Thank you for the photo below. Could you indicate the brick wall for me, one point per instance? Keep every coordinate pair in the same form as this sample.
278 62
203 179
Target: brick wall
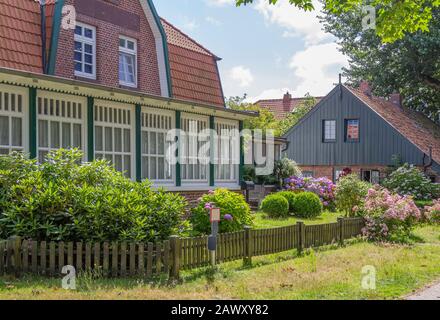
328 171
107 48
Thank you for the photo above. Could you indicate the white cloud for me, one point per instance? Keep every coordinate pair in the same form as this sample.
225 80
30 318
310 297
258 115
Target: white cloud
190 25
297 22
241 75
220 3
213 21
269 94
316 68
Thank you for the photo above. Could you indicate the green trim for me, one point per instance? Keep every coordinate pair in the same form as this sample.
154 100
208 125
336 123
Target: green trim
178 166
241 167
165 46
33 123
90 129
138 153
56 26
212 152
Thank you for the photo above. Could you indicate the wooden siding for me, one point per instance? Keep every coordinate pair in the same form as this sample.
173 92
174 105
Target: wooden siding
379 141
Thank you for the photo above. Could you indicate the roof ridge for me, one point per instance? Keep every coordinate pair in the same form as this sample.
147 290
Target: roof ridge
190 39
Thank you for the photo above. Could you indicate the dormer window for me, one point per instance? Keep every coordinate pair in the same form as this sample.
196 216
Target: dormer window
127 62
85 51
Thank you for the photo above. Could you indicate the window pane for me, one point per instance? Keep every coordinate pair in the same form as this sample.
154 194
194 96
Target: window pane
17 140
4 131
98 138
161 168
88 69
145 142
78 67
145 171
161 143
78 46
88 48
66 143
88 58
78 56
352 129
54 134
152 142
118 140
88 33
43 133
77 136
127 140
78 30
130 45
153 162
127 165
122 43
108 139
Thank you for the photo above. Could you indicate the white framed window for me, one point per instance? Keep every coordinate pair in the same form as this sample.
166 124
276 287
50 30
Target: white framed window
85 51
227 151
127 62
329 128
155 126
61 122
13 119
114 135
194 165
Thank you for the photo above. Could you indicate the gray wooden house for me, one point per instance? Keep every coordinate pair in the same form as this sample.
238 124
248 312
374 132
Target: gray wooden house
351 128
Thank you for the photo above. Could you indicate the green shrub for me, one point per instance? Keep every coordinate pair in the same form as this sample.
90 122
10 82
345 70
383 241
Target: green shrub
275 206
410 181
307 205
235 212
290 197
350 193
286 168
421 204
64 200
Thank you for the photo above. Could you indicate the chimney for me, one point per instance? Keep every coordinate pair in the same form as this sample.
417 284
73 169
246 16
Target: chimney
286 101
396 99
365 88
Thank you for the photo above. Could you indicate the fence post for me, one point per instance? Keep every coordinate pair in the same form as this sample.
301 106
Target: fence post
249 246
175 244
301 237
341 231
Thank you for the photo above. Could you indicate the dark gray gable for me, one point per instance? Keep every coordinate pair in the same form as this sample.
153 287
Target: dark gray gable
379 141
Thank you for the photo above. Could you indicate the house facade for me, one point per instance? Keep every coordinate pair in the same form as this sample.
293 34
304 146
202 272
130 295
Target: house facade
114 85
350 128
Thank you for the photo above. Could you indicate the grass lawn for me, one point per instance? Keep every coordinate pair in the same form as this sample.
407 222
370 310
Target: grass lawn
262 221
331 273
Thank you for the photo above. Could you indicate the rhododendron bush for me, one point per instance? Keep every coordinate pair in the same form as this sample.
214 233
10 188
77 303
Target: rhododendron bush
324 188
432 213
389 217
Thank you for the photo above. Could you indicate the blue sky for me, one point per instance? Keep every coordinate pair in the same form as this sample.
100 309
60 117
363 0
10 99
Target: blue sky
266 50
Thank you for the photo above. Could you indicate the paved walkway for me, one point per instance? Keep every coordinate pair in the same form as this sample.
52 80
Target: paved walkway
430 293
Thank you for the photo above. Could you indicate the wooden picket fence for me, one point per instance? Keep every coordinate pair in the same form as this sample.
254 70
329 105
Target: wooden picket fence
19 256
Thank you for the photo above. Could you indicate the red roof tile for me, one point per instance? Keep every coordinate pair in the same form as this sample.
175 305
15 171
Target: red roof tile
194 72
20 26
282 107
417 128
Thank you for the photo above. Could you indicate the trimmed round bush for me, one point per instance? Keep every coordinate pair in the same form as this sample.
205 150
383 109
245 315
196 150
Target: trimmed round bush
235 212
307 205
290 197
275 206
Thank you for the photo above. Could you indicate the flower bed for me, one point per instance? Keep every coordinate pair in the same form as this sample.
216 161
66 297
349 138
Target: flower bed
324 188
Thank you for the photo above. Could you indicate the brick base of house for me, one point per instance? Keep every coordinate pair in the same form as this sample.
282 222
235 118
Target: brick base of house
329 171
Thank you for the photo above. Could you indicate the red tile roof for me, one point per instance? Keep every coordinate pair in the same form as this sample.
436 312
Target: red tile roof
282 107
20 39
416 127
194 72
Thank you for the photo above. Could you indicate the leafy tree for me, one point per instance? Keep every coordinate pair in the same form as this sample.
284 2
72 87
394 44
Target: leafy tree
410 65
266 119
294 117
394 18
